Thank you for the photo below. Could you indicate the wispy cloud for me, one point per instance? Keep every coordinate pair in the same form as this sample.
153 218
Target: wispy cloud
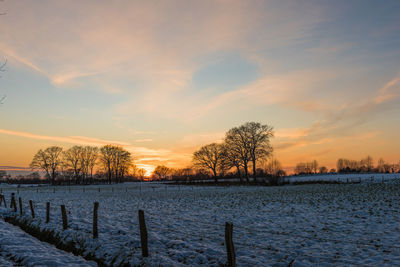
69 139
144 156
143 140
345 121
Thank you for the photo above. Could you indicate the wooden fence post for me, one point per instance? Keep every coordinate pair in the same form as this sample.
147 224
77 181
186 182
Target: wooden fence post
13 203
95 230
32 210
143 234
47 212
64 217
230 250
4 199
20 206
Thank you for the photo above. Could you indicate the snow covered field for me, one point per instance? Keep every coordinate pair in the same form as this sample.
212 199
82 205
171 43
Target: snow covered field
344 178
329 225
19 248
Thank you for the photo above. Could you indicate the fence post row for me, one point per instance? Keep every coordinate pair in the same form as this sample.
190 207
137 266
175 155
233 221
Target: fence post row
32 210
143 234
230 250
95 230
64 217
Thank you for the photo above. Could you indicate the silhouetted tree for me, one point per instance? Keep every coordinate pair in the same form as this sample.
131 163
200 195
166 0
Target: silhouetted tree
210 157
238 145
72 159
249 142
259 138
323 169
273 167
48 160
88 160
141 173
232 159
116 161
106 160
314 166
161 172
122 162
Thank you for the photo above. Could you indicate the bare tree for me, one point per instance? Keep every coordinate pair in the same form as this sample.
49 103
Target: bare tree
369 162
106 160
93 154
273 167
89 155
314 166
238 143
232 159
116 161
48 160
72 159
122 162
323 169
161 172
141 173
210 157
259 139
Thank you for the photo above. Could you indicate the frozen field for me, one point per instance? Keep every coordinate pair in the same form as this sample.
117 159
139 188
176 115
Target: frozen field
17 248
326 225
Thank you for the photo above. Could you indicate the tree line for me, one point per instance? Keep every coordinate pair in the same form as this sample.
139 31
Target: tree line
77 164
343 165
243 147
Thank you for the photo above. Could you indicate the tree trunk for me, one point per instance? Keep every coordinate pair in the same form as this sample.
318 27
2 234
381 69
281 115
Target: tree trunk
53 180
254 170
215 175
239 173
246 172
109 176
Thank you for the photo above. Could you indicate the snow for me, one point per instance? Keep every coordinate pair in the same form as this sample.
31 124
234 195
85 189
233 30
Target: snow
335 224
17 247
344 178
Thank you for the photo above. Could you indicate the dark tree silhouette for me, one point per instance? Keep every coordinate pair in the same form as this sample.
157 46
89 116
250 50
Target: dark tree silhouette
161 172
48 160
116 161
210 157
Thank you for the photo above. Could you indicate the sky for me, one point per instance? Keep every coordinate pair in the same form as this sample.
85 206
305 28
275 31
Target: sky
162 78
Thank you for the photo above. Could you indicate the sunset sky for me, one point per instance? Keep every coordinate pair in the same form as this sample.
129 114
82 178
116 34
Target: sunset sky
162 78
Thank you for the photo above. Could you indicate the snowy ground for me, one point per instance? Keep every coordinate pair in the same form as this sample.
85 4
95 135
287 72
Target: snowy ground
19 248
329 225
344 178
